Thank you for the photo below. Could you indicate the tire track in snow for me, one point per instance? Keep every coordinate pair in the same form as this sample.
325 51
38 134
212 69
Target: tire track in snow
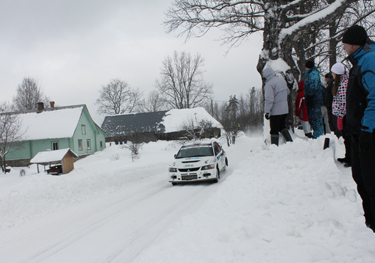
73 235
57 246
151 230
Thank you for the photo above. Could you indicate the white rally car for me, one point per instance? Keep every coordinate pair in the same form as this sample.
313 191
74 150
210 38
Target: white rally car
200 161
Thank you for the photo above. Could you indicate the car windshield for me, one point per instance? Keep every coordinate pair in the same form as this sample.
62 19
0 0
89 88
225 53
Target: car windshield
195 151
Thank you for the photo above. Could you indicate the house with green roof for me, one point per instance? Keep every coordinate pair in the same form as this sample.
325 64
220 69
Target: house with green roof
53 129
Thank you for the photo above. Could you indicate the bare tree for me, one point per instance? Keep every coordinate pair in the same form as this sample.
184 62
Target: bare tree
181 85
197 130
134 145
282 22
326 47
28 95
11 133
153 102
118 98
190 130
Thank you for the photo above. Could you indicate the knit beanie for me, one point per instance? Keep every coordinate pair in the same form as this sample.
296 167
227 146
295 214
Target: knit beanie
355 35
310 64
338 69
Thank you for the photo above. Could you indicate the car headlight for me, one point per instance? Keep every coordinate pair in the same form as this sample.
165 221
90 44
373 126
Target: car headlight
172 170
208 167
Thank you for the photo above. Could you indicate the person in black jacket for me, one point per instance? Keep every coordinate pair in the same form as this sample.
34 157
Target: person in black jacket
328 100
360 115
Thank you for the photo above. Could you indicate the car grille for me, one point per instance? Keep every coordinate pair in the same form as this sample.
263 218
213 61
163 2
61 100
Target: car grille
189 177
191 161
189 170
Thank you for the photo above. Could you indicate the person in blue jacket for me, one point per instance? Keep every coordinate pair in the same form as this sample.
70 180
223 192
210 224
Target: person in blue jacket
313 98
360 115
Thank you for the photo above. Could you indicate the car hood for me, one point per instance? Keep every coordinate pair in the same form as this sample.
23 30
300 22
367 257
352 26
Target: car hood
193 161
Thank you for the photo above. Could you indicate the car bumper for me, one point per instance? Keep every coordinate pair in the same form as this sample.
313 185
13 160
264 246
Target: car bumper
206 175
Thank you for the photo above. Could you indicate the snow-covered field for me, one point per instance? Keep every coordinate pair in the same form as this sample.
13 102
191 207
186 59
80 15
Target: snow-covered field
292 203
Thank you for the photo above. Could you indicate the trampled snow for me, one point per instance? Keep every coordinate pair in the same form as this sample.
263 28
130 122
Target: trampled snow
292 203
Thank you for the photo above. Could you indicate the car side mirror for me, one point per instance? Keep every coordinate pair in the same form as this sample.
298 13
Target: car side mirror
175 156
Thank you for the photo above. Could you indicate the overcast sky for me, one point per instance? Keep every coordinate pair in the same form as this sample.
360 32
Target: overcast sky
74 47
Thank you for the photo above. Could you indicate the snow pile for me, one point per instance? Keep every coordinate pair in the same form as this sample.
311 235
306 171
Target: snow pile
291 203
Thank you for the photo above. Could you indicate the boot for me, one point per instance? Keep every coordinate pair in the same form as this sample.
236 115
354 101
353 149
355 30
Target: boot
285 133
275 139
309 135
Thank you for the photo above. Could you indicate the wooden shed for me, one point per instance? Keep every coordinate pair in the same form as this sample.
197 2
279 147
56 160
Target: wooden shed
59 161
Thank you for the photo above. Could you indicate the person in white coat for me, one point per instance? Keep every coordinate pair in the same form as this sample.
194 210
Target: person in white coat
276 108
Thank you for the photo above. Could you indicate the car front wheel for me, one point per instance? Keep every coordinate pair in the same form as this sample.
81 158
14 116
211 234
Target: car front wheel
217 175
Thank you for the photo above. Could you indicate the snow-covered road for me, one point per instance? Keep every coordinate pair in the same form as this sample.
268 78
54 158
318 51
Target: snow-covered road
115 226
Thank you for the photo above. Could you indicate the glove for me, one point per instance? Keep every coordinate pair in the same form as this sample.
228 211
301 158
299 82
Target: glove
267 116
365 142
339 124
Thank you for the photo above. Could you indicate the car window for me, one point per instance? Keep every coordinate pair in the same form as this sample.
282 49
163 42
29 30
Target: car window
195 151
217 148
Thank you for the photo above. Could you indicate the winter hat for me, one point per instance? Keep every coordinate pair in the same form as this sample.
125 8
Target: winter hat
310 64
355 35
338 69
328 76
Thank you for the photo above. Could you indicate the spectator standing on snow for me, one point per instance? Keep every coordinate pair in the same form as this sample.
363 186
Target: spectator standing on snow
339 108
313 97
360 115
301 110
329 99
276 109
323 108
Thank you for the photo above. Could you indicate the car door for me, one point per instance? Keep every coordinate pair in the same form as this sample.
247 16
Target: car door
219 155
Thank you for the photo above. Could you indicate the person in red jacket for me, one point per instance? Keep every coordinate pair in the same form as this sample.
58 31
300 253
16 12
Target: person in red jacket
301 110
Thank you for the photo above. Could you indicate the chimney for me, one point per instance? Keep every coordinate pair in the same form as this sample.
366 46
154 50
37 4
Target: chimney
52 103
40 106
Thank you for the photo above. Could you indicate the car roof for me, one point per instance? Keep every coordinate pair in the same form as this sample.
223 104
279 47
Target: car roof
198 143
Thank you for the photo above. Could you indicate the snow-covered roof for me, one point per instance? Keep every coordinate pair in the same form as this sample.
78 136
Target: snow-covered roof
157 122
51 156
175 119
51 123
120 125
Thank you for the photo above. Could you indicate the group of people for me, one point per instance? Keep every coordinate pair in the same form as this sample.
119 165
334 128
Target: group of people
346 106
323 109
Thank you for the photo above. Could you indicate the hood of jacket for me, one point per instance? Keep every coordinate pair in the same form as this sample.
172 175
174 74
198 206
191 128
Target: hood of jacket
308 72
268 74
360 52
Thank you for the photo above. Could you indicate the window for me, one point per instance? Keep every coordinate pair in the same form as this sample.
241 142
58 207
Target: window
83 129
88 144
55 146
217 148
101 144
80 146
